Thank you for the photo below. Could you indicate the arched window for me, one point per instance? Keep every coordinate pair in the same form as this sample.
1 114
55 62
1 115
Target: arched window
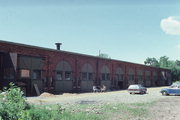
105 73
63 71
148 74
148 78
119 74
87 72
140 76
131 76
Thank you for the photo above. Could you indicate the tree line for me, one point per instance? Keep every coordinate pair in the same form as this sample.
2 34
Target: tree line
165 62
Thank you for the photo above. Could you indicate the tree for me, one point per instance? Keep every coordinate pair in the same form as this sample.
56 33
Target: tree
164 62
152 62
177 62
103 55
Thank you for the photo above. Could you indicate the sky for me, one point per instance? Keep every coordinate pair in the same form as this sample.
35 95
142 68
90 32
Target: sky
127 30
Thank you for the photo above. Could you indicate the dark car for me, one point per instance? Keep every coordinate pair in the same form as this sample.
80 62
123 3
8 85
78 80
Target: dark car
174 89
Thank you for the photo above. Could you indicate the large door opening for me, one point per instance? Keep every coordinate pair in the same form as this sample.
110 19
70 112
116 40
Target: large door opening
120 84
1 70
7 70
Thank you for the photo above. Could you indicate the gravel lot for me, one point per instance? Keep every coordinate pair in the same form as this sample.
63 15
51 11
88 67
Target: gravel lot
93 98
165 107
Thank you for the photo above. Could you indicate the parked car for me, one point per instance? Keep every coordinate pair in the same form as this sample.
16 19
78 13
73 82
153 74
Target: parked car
174 89
137 88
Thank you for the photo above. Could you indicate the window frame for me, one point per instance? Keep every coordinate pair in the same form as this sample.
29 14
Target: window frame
36 76
57 72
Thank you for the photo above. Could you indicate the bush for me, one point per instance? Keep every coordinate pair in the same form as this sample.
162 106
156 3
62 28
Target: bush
13 103
14 107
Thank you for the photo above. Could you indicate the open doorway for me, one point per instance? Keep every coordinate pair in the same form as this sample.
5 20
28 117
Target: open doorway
7 71
120 84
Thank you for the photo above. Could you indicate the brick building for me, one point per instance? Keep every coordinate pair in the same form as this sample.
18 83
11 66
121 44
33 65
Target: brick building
60 71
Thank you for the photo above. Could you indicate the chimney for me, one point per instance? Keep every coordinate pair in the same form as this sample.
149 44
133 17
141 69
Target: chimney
58 45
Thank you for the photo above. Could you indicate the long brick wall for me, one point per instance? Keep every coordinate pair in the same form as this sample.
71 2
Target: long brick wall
53 57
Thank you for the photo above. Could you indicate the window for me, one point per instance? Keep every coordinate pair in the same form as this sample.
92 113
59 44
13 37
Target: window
131 77
117 77
147 77
140 77
90 76
36 74
59 75
24 73
87 76
155 78
67 75
84 76
121 77
105 76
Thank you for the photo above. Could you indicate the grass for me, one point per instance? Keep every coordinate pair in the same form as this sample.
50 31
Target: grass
110 111
125 111
80 116
106 111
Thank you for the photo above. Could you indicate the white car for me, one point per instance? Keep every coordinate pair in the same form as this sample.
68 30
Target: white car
137 88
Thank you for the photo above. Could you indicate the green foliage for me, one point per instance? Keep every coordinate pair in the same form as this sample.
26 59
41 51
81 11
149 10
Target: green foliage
14 107
36 113
13 103
152 62
104 55
164 62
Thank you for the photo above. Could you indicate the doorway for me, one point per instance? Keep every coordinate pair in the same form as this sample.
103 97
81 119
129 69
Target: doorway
120 84
7 71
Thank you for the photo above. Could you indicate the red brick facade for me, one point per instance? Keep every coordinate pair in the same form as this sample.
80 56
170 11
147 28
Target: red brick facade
52 57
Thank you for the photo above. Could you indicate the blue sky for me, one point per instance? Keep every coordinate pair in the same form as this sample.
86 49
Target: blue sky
128 30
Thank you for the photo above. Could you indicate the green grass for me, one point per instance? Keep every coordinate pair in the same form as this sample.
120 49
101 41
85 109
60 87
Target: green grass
80 116
124 111
106 111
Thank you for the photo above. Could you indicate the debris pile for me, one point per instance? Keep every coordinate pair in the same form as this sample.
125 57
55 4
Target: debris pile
46 94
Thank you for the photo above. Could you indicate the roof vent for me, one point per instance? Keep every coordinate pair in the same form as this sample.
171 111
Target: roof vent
58 45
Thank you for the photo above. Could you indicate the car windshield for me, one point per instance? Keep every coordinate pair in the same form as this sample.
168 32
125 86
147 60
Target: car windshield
175 85
140 85
172 86
135 86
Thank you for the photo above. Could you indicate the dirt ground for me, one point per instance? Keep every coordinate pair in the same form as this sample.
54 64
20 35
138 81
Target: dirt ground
167 108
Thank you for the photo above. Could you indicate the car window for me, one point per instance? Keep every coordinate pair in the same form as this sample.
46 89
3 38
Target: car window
133 87
173 86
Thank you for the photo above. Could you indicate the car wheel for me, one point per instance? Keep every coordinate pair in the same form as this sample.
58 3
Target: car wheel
164 93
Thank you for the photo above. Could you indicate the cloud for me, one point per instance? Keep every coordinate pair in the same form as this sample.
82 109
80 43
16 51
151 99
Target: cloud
178 46
171 25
